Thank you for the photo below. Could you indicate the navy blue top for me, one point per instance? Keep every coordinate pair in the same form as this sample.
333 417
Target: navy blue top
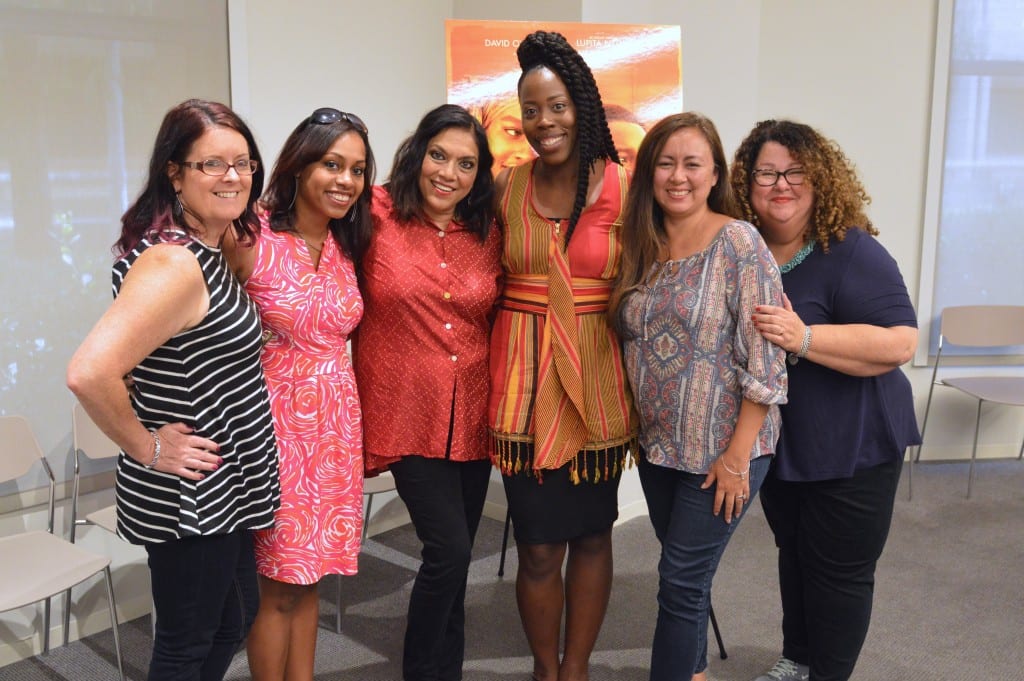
834 423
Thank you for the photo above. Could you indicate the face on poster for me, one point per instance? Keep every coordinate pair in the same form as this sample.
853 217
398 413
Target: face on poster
638 69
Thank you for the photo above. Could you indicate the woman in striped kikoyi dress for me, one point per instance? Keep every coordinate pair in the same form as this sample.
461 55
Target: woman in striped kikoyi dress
561 413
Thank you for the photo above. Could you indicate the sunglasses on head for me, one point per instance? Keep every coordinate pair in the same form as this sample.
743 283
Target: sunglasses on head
327 115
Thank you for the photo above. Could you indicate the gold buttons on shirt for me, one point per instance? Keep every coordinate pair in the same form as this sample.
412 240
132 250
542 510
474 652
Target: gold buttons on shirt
448 325
455 358
447 295
441 234
444 266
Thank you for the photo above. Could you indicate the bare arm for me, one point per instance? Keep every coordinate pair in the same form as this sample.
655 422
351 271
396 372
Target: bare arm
854 349
163 294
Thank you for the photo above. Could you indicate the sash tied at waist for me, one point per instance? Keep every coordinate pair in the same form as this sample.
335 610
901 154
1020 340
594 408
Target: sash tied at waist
529 293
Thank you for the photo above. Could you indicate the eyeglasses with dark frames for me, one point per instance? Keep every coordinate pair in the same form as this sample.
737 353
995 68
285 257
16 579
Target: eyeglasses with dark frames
217 168
768 178
327 115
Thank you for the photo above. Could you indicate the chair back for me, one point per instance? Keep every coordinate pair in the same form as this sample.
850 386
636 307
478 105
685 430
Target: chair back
19 449
88 438
983 325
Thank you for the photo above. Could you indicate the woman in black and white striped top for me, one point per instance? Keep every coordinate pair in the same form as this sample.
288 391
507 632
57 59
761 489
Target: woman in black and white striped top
198 466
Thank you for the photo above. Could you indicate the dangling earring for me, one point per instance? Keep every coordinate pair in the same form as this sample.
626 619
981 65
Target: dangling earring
295 194
176 210
353 213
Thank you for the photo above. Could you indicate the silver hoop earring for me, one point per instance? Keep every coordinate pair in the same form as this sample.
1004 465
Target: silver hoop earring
294 194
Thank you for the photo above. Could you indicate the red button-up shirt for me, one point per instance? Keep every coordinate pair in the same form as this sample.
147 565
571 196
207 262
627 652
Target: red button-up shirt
421 352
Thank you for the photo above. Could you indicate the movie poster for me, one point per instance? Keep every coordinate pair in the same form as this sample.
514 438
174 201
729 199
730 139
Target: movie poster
638 69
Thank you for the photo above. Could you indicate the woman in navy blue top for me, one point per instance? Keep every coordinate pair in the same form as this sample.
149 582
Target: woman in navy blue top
847 325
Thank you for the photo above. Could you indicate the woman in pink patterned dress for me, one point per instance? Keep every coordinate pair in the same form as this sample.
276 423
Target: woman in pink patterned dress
301 272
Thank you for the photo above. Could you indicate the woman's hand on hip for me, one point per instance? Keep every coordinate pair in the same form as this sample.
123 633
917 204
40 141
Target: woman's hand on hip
185 454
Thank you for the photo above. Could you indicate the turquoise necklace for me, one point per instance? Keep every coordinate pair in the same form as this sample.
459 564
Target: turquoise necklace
798 258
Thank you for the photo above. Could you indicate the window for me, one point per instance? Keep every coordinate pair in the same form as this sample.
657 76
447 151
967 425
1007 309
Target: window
84 88
979 240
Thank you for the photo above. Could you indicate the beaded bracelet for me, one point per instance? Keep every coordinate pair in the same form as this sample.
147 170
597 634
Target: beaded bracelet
742 474
156 450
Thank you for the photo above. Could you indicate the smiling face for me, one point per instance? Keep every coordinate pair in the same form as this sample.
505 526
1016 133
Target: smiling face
447 174
549 116
506 138
783 210
212 203
329 187
684 174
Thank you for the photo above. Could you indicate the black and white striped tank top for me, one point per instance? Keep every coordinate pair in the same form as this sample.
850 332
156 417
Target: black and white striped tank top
208 377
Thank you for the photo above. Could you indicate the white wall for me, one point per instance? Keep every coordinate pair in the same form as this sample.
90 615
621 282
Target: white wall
861 72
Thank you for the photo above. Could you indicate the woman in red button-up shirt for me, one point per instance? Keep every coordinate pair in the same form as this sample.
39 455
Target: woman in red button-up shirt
431 278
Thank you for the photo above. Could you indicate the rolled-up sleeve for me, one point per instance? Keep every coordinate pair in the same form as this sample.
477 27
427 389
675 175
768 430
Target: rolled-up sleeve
760 364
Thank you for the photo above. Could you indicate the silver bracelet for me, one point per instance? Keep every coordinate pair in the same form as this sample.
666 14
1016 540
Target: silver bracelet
156 450
805 347
742 474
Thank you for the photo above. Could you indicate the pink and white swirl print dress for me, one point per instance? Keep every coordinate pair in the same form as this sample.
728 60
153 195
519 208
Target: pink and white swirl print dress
308 314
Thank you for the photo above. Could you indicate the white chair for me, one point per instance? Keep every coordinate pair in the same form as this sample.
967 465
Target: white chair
385 482
984 326
89 441
39 565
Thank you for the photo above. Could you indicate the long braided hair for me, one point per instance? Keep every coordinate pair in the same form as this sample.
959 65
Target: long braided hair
551 50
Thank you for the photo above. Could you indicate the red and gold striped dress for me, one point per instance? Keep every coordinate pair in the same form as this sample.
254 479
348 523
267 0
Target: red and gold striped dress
557 376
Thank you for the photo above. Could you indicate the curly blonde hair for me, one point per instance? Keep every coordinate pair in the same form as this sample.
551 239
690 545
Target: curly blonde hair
839 197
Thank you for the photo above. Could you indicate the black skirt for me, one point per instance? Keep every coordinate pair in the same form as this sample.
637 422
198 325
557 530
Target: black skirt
554 506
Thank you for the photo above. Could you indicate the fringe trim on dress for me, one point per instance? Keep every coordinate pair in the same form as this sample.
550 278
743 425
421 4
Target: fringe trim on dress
597 462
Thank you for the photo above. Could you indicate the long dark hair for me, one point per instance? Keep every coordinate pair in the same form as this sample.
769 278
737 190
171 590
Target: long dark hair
307 144
476 210
156 211
551 50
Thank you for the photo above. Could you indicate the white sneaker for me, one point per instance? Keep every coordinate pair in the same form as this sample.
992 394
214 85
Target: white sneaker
786 670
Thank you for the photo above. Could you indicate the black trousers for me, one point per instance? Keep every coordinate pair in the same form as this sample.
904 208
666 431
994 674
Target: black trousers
206 597
830 534
445 500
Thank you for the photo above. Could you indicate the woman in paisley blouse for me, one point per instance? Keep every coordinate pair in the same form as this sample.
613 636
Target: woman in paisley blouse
301 272
707 384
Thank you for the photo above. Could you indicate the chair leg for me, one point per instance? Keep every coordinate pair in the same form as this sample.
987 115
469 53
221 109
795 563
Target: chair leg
1021 455
974 451
337 608
113 621
718 633
46 626
910 474
504 543
67 616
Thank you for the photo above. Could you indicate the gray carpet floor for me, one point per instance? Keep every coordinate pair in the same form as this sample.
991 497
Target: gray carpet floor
948 603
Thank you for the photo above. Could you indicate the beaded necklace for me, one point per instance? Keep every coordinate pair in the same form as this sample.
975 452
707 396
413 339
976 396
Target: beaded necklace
797 259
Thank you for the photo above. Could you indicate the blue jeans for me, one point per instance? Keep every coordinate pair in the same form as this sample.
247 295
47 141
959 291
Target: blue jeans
206 597
692 543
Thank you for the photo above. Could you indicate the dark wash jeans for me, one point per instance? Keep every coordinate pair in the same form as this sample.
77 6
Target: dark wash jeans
445 500
206 596
830 534
692 543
